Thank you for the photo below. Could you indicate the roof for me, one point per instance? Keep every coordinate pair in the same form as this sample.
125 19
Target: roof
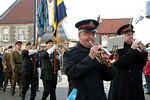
111 25
20 12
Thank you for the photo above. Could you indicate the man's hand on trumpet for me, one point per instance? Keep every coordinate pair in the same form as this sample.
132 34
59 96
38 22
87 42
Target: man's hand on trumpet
138 45
102 55
94 51
97 52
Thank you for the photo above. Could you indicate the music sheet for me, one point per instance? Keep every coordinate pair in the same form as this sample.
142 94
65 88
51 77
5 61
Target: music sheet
113 42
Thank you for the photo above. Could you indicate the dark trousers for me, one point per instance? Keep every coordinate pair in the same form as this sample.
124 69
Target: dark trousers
49 88
7 77
1 79
147 77
29 80
70 86
37 81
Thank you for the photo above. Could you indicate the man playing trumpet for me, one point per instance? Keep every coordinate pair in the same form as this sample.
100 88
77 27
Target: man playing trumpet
83 70
127 84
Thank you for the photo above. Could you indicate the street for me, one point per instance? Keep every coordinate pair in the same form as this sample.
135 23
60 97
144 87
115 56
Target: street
61 95
61 92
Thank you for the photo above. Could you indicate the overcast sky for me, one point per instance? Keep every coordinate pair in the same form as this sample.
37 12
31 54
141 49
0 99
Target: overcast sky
84 9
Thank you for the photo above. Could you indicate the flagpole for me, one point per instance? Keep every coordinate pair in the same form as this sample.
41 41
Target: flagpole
34 22
54 33
58 12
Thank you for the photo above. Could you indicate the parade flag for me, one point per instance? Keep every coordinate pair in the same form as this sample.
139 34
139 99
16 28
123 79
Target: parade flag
50 15
43 18
58 14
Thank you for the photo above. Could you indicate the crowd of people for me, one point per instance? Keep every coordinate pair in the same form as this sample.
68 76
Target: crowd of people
86 65
20 66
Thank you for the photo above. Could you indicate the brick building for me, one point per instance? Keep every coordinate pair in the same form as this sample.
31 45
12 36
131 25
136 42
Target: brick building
17 23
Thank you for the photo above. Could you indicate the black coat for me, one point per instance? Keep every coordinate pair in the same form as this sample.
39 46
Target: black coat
27 64
47 65
127 84
1 65
85 74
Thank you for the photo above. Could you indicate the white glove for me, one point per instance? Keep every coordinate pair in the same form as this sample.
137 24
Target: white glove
59 76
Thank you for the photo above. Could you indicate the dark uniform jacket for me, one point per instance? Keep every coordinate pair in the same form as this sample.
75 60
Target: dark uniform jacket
1 65
27 64
127 84
85 74
47 65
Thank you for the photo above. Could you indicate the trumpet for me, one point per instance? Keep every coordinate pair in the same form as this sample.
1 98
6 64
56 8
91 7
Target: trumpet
100 58
105 50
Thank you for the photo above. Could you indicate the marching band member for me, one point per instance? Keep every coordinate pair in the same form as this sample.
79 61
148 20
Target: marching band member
84 72
49 70
127 84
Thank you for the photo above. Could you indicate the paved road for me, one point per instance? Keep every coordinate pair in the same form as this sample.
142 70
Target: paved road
61 95
61 92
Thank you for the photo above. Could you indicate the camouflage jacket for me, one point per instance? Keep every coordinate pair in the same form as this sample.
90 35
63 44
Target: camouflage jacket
16 62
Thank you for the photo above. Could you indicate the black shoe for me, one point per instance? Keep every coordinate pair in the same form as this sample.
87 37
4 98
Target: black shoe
148 93
32 98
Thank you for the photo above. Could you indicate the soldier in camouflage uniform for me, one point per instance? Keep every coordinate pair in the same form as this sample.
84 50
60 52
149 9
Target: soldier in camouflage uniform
16 63
7 67
49 70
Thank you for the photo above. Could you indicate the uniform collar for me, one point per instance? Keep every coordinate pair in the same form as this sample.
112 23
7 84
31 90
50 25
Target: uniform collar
82 47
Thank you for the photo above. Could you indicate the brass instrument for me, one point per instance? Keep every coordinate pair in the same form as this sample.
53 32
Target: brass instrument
100 57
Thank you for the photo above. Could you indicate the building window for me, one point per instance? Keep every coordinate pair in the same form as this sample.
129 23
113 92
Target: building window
5 35
20 35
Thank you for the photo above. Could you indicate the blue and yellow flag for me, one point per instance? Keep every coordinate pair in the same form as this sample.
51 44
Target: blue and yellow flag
50 14
43 19
58 14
